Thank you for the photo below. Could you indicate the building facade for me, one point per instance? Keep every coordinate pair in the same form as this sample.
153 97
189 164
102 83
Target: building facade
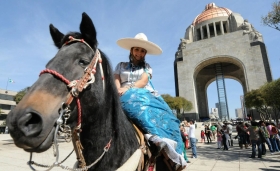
221 37
239 113
7 103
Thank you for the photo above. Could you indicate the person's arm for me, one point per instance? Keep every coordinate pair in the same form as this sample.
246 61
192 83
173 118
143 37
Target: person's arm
142 82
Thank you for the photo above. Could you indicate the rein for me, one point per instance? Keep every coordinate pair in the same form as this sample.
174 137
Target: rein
77 86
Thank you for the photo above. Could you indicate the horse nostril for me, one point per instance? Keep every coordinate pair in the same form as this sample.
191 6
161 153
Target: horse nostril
30 124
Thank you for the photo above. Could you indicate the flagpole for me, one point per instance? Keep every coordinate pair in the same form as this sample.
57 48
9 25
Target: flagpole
7 86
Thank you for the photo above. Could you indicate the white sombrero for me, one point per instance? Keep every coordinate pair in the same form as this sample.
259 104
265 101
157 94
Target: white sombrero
140 40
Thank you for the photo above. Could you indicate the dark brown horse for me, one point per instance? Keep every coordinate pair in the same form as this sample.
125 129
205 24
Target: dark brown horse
33 122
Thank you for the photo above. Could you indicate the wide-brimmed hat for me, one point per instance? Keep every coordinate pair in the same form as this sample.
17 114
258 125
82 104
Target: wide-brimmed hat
140 40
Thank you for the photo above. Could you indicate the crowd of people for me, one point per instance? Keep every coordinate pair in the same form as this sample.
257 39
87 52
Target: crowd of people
256 135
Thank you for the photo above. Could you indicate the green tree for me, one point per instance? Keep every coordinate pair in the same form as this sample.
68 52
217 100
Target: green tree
20 95
179 104
272 19
255 99
271 93
169 100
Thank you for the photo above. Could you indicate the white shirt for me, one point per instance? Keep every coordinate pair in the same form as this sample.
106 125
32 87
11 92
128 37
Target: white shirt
130 74
192 131
229 129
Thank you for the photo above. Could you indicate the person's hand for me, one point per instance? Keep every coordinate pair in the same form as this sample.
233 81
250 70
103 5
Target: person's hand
122 90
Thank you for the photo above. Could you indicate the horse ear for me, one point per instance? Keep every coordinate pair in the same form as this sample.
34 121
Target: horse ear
88 30
56 36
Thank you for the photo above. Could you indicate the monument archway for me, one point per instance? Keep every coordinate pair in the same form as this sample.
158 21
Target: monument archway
218 38
205 74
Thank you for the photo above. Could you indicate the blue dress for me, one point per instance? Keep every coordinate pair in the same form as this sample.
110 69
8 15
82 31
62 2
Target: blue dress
152 114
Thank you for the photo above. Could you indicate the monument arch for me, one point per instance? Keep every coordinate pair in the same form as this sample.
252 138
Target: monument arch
218 44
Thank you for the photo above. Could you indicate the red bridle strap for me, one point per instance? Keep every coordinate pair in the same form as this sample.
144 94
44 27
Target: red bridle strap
83 82
67 82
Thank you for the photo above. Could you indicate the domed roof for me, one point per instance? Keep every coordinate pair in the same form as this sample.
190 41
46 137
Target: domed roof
211 11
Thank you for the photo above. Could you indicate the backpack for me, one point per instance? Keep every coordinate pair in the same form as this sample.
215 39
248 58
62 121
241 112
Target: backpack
274 130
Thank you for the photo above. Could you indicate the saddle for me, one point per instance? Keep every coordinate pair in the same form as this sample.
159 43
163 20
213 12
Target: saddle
148 165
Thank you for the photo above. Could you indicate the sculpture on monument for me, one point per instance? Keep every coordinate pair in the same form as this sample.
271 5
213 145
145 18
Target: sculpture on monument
249 29
182 45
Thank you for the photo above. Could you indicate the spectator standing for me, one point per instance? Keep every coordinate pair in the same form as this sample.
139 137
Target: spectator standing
213 129
202 135
225 137
272 137
265 135
208 133
240 128
219 139
183 134
192 138
229 126
255 139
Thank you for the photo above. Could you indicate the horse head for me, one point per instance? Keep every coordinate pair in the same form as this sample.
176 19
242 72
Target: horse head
32 122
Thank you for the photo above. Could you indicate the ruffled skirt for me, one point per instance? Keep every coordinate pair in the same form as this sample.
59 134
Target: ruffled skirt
154 116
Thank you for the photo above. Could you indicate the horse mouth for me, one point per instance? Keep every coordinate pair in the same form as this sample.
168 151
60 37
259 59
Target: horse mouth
45 145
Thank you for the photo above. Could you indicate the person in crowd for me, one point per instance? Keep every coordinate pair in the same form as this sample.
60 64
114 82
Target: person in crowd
142 104
272 136
202 135
242 140
219 139
192 138
208 134
229 126
247 125
265 137
183 134
213 129
225 137
254 131
186 132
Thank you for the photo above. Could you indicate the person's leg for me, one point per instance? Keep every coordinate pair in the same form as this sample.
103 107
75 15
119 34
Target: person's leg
272 141
219 144
259 144
263 149
269 144
224 142
254 143
227 142
193 145
185 153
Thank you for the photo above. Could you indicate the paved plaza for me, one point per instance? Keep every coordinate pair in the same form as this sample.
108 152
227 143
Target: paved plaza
209 158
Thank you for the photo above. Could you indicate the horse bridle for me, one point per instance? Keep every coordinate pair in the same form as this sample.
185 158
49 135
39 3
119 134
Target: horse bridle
77 86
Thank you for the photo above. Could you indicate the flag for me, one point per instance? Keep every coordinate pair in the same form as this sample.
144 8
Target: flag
11 81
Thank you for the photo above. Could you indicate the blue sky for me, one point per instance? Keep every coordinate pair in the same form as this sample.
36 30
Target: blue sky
26 45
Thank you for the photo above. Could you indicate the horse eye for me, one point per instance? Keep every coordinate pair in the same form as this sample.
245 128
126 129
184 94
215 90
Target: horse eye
83 62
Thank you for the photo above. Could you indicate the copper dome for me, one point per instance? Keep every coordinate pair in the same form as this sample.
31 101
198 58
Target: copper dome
211 11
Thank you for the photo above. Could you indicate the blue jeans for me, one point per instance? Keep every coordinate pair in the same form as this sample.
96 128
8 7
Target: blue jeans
269 144
273 143
193 145
258 144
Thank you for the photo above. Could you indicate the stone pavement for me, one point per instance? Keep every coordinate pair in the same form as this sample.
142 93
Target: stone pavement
209 158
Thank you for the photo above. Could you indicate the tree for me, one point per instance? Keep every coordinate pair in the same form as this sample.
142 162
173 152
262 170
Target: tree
20 95
272 19
179 104
255 99
271 93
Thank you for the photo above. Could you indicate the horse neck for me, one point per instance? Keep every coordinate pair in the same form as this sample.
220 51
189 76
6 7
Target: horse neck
112 124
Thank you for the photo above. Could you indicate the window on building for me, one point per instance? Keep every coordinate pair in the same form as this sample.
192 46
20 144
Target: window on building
6 97
218 28
211 30
205 35
225 27
5 107
198 34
